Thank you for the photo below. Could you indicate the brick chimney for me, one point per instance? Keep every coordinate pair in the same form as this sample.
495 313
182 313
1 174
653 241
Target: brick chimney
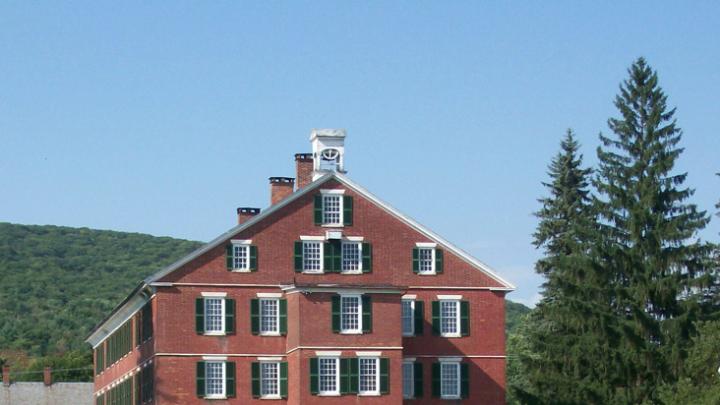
6 375
245 213
304 169
47 376
280 188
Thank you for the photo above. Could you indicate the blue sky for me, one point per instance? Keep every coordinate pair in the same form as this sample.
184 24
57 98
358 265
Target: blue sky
163 117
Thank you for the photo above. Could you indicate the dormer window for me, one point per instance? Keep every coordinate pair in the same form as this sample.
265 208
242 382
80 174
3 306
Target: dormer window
333 208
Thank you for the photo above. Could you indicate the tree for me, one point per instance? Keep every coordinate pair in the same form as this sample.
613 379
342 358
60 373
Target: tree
649 247
564 347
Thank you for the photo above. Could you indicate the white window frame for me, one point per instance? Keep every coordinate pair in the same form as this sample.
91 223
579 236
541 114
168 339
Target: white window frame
269 396
433 249
242 244
223 395
336 391
321 242
411 379
457 376
359 243
341 204
412 317
359 329
458 327
276 332
376 391
216 296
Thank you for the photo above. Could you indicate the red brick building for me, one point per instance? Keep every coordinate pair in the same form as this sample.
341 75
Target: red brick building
327 296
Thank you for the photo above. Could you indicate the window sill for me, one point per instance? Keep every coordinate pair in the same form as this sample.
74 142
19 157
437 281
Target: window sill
332 225
313 272
451 398
453 335
408 335
369 394
427 274
328 394
352 272
271 397
214 334
216 397
270 334
351 332
241 271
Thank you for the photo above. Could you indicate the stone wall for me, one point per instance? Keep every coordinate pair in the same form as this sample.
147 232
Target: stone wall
37 393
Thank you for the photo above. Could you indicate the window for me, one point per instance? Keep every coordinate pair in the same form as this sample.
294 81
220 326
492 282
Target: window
350 310
408 379
351 257
332 209
269 319
449 318
408 317
426 262
241 257
270 380
328 376
369 376
214 315
214 379
312 256
450 380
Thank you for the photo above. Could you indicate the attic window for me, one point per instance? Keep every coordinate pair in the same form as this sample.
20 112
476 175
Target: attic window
330 160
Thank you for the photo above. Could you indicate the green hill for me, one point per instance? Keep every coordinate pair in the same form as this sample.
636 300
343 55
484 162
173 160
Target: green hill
56 283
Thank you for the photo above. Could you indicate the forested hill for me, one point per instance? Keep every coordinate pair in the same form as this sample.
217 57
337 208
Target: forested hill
56 282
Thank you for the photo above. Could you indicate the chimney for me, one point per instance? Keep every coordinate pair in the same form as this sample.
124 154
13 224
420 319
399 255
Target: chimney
47 376
6 375
280 188
304 169
245 213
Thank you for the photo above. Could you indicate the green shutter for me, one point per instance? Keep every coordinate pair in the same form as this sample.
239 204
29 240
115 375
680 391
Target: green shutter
436 380
384 375
136 389
200 316
314 376
366 314
255 379
335 324
229 256
344 376
416 260
464 318
283 379
464 380
438 261
419 315
255 316
366 258
353 375
332 256
298 256
347 210
283 316
200 378
230 379
137 322
229 316
436 317
317 211
418 380
253 258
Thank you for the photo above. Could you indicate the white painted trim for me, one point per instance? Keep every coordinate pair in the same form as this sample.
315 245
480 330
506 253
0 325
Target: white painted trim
241 241
339 289
328 353
228 285
426 245
333 234
161 284
213 294
450 359
312 238
409 359
409 297
270 358
435 287
223 354
215 358
332 191
268 295
449 297
368 354
343 348
355 238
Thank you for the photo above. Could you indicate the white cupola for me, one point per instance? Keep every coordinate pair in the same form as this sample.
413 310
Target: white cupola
328 151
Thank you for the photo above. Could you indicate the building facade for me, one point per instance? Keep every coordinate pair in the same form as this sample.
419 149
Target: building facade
326 296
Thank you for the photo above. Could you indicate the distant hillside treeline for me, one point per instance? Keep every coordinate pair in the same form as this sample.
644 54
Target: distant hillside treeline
57 282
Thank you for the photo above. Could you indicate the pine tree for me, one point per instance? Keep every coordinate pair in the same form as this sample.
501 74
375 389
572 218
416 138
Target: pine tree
648 248
565 347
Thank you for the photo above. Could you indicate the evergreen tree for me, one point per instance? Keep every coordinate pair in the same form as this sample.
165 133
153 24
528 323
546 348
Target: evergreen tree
648 228
565 350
